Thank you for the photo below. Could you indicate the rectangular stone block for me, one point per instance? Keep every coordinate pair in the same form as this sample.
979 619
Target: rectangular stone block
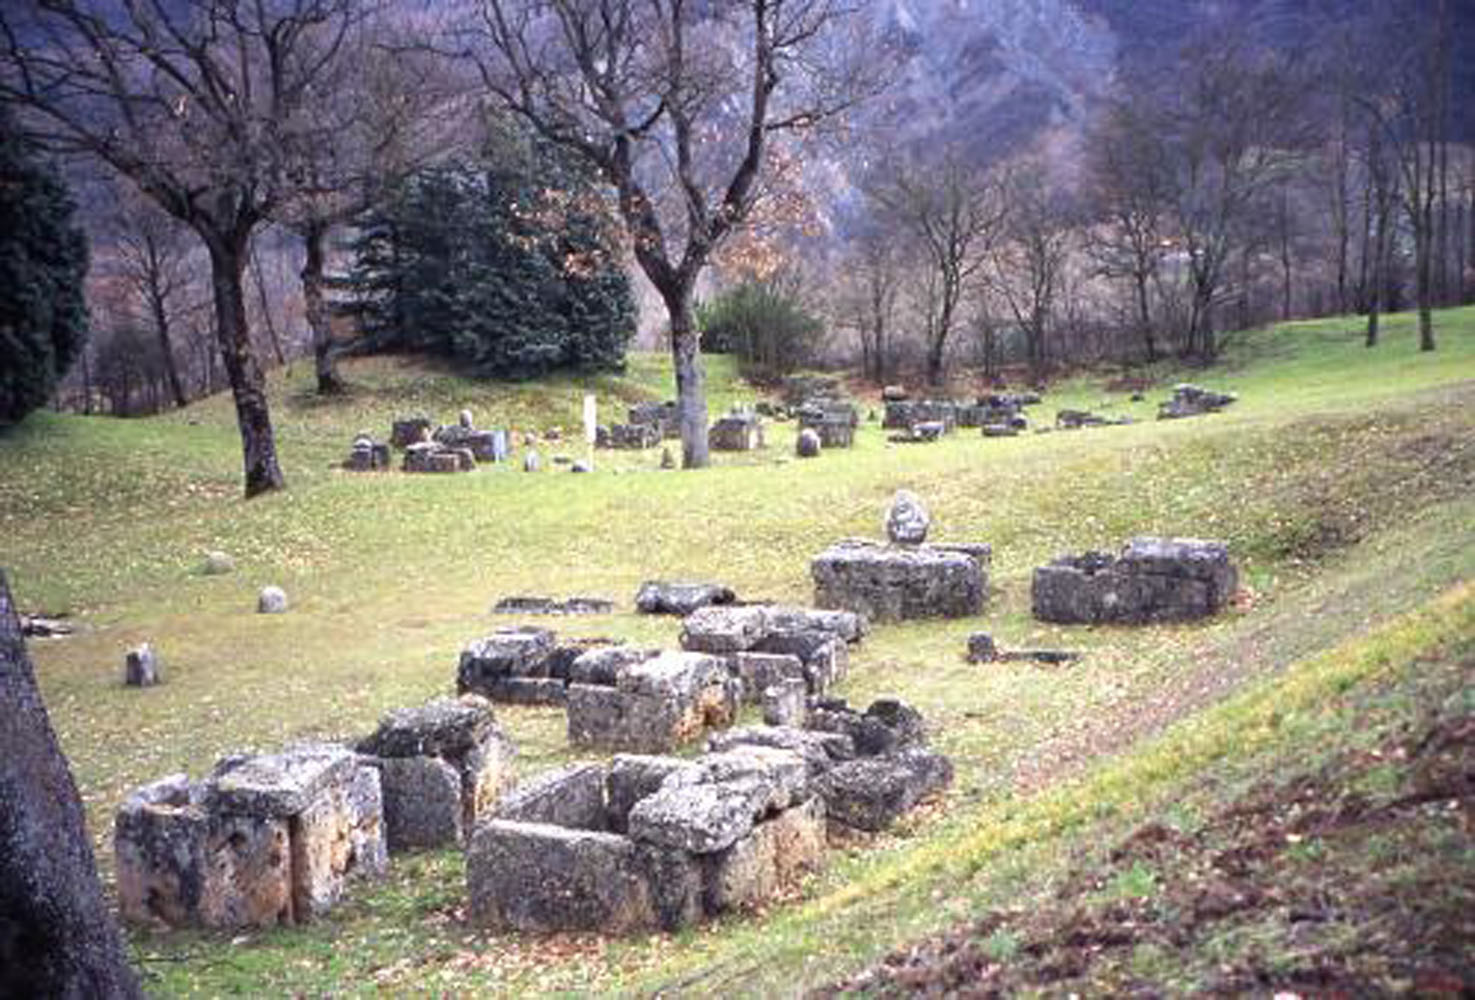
541 878
759 671
770 859
572 796
422 803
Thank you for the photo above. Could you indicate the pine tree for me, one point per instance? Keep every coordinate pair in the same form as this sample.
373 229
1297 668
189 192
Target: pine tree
504 266
43 263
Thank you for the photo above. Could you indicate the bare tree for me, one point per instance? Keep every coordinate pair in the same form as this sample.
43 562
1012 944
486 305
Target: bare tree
868 294
678 105
1130 185
1234 129
1027 266
952 213
201 104
152 257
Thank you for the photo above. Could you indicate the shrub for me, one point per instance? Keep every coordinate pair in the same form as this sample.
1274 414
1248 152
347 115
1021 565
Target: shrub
763 323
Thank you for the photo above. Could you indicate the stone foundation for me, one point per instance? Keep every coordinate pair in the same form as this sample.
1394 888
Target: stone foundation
736 432
894 583
265 840
1153 580
646 842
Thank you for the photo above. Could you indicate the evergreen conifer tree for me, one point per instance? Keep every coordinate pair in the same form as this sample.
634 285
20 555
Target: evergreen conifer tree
43 263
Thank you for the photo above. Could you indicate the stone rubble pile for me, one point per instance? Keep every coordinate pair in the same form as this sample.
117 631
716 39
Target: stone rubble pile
628 437
523 665
664 417
1152 580
1192 401
367 455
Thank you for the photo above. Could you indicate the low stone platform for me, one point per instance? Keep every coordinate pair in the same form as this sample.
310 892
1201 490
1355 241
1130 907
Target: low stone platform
1190 400
264 840
646 842
524 665
442 767
899 582
766 644
1153 580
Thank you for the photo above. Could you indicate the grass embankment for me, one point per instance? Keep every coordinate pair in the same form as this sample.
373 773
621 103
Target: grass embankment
1341 480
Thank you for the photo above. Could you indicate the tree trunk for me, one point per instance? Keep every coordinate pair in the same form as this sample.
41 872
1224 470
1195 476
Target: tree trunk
247 383
1144 317
265 302
325 360
1423 240
166 348
691 389
57 938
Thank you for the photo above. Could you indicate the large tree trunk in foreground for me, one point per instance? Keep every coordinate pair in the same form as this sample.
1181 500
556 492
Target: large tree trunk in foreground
57 938
691 387
325 361
247 382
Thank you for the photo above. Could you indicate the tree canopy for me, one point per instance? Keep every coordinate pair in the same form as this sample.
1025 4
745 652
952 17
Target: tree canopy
43 265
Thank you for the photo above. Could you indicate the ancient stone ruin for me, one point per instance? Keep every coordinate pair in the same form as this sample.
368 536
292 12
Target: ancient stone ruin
432 456
906 578
658 842
764 645
1192 401
736 432
1070 420
1153 580
409 430
529 605
264 840
628 437
442 767
664 417
621 699
834 421
660 597
905 415
523 665
367 455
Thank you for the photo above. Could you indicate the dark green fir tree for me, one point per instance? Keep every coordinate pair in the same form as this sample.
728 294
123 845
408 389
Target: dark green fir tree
43 264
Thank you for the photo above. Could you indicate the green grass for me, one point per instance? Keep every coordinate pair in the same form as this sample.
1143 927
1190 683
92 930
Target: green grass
1341 481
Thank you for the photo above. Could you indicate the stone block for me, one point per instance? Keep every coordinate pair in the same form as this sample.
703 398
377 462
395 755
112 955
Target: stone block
1154 580
141 667
631 778
510 652
888 583
409 430
422 803
869 793
572 796
736 432
658 704
540 878
758 671
659 597
771 858
724 629
786 703
818 749
337 836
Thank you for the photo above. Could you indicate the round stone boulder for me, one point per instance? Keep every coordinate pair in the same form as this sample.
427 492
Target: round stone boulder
271 601
218 563
808 445
907 521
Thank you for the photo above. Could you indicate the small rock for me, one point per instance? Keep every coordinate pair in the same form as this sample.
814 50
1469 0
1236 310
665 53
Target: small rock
218 563
581 466
808 445
981 648
141 667
271 601
907 521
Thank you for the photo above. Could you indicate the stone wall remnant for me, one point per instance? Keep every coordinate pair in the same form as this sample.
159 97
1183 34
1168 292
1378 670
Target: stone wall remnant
442 767
141 667
264 840
736 432
893 583
661 597
1152 580
654 705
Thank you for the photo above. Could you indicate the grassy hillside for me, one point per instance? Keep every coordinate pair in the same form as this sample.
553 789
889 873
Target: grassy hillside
1342 481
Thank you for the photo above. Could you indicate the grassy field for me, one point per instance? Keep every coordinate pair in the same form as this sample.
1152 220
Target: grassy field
1342 481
